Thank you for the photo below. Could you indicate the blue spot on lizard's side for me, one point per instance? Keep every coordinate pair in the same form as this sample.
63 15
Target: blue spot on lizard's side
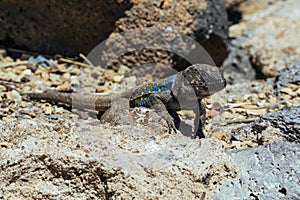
140 97
155 88
147 90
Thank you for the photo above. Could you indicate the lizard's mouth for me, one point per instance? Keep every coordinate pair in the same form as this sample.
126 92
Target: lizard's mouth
213 88
208 88
217 85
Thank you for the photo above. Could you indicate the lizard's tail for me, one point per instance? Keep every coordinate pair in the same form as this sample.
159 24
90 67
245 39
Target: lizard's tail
77 100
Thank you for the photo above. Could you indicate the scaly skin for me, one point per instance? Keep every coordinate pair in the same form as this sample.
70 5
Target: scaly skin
182 91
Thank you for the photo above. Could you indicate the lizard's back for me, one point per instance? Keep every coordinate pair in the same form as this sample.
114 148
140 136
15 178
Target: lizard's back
141 95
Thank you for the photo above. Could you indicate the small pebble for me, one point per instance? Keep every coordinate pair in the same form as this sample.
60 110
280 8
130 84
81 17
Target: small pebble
217 106
212 113
75 71
64 87
118 78
227 115
110 74
272 100
219 135
259 112
53 117
123 70
56 128
21 115
261 103
61 67
236 143
66 76
262 95
22 67
2 88
48 110
286 90
27 72
74 80
237 137
4 105
237 30
14 95
5 145
59 110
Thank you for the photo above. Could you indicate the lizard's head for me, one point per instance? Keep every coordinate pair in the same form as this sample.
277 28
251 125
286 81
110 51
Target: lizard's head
204 79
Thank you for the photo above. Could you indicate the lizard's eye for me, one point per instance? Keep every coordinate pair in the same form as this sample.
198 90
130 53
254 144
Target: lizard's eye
186 82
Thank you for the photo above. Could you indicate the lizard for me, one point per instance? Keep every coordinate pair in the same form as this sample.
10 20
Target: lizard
181 91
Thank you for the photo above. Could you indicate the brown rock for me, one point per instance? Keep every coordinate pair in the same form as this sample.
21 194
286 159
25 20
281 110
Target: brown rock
212 113
56 27
77 27
219 135
198 19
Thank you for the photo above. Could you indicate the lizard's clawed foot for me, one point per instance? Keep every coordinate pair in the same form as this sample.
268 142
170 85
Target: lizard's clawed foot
172 128
199 133
170 125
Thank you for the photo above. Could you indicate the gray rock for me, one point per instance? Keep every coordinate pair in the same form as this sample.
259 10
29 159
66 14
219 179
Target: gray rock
53 117
288 121
238 67
274 126
95 161
266 172
130 161
290 75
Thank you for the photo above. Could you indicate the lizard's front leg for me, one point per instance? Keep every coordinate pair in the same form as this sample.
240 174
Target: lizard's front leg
158 105
200 117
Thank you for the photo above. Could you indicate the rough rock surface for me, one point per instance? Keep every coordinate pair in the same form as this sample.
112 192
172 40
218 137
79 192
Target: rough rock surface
94 161
199 20
231 3
267 172
55 27
288 121
286 78
238 67
254 114
77 27
279 125
271 41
